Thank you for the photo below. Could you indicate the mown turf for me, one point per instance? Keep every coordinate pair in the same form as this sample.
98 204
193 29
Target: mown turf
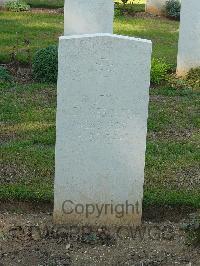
39 29
44 29
162 32
28 139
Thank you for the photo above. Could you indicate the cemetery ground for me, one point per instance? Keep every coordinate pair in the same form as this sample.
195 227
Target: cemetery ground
172 181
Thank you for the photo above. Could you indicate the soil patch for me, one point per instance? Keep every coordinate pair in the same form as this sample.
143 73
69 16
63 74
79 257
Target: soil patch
31 238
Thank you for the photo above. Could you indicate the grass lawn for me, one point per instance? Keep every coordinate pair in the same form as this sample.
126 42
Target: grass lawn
28 118
44 29
41 29
28 139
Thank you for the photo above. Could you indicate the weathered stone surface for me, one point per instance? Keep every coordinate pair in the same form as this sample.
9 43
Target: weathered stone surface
189 37
103 94
2 2
156 7
88 16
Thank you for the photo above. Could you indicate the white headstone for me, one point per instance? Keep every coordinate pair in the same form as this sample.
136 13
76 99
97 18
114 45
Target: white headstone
3 2
102 109
156 6
88 16
189 37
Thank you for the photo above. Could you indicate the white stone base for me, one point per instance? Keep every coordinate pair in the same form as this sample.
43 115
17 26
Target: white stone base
189 37
103 94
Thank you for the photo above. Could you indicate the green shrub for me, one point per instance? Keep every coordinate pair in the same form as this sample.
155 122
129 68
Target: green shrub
118 10
17 5
46 3
124 9
45 64
159 71
124 2
173 8
130 9
4 75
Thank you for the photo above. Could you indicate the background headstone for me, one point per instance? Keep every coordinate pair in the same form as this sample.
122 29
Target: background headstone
189 37
2 2
156 7
88 16
102 109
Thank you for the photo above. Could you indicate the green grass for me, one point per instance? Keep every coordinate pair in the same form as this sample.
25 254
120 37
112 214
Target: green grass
40 29
44 29
163 33
28 139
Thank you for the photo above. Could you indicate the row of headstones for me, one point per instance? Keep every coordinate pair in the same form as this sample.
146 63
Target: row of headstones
189 34
152 6
102 110
2 2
